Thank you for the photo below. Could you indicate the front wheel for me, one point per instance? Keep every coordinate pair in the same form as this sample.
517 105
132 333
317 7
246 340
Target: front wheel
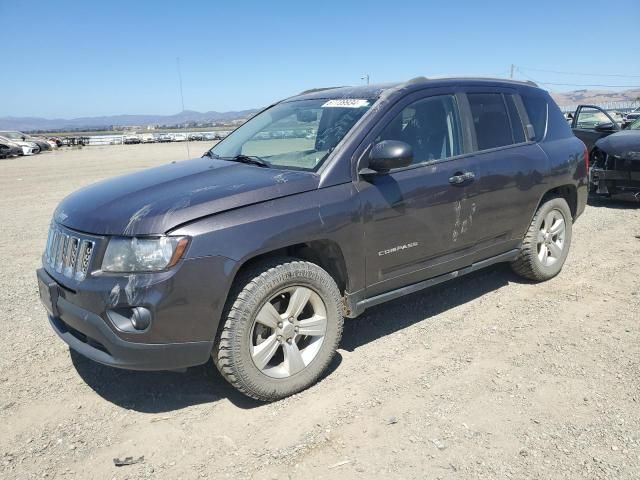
281 329
546 244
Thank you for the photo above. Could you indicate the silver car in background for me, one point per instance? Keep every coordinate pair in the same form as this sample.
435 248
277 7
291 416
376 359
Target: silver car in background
28 148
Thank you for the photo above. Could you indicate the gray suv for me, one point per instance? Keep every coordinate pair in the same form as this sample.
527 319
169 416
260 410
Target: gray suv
317 208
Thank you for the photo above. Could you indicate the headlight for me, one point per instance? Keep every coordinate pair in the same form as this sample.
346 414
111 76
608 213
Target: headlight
143 254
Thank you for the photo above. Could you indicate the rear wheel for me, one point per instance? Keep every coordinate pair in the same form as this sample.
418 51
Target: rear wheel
282 326
546 244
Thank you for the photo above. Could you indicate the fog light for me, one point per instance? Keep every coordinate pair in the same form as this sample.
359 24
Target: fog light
140 318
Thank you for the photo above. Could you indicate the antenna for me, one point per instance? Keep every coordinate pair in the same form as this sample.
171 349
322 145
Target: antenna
182 99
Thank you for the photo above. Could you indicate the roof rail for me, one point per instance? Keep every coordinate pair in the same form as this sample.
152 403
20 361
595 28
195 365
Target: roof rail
313 90
416 80
424 79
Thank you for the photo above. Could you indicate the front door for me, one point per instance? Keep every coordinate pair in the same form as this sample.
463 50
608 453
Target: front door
592 123
416 218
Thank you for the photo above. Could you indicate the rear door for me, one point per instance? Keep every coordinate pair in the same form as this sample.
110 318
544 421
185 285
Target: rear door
509 169
586 121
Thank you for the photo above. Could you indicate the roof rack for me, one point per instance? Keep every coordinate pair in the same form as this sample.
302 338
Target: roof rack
416 80
424 79
314 90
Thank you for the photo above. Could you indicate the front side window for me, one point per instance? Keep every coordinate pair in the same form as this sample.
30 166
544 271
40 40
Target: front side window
491 120
589 117
430 126
297 135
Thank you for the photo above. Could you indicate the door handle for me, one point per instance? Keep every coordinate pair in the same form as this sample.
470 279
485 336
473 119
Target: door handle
462 177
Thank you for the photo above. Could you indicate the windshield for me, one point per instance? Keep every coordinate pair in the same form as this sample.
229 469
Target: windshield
12 135
297 135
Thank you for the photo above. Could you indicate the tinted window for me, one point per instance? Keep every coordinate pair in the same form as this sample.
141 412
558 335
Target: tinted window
557 126
516 122
491 120
536 107
430 126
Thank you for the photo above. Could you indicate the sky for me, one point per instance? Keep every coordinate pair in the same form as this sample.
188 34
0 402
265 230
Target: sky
67 59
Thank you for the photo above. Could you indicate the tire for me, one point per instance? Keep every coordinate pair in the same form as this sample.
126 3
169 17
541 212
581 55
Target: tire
545 246
263 324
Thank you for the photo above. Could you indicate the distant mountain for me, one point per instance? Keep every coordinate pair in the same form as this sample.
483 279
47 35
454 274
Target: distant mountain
594 96
27 124
35 123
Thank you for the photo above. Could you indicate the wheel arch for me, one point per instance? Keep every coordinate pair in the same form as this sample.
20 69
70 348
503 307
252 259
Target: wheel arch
325 253
568 192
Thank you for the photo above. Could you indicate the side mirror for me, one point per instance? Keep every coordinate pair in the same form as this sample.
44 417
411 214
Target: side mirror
388 154
606 127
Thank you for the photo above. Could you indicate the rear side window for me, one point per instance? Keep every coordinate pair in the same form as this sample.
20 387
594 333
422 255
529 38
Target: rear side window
491 120
516 121
536 107
557 126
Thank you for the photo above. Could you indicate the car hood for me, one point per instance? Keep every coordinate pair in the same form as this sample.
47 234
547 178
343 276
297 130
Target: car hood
157 200
622 143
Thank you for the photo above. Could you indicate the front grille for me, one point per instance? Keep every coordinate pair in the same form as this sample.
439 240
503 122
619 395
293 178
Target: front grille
68 252
625 164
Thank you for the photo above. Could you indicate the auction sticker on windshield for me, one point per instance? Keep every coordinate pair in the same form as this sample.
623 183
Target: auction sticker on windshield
346 103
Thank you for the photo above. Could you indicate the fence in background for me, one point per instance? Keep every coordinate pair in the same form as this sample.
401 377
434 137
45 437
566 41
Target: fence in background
120 139
624 106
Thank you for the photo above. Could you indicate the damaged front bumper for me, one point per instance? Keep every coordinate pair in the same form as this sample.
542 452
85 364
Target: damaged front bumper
97 316
609 182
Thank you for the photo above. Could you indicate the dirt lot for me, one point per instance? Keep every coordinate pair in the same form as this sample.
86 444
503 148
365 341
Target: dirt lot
484 377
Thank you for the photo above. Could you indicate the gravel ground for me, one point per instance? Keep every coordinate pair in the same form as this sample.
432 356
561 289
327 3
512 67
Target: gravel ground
483 377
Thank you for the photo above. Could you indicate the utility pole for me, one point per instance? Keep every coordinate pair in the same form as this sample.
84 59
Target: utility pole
182 100
513 67
366 77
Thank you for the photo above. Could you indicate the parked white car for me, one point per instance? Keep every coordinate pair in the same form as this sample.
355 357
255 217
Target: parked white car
179 137
147 138
28 148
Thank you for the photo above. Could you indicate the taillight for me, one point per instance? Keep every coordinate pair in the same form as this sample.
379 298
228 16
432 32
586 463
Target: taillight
586 158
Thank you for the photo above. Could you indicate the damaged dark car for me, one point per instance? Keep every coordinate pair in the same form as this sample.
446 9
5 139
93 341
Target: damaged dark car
615 164
316 209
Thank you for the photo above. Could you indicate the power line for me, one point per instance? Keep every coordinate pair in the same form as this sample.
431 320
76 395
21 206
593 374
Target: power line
575 84
588 85
581 74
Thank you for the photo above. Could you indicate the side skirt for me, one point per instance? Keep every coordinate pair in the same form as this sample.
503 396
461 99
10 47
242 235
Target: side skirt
354 305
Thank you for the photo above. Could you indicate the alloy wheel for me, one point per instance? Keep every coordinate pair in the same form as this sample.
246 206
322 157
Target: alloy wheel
551 238
288 332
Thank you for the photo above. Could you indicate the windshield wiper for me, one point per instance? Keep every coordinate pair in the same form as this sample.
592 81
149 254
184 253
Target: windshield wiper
250 159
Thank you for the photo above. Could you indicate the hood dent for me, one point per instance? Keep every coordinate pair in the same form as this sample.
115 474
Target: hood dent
157 200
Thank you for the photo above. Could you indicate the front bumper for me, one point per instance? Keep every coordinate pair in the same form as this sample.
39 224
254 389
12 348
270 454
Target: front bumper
613 181
185 310
88 335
